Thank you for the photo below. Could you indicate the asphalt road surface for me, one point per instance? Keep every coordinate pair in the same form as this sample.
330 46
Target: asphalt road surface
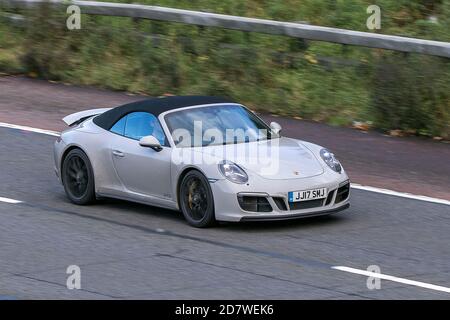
413 165
126 250
132 251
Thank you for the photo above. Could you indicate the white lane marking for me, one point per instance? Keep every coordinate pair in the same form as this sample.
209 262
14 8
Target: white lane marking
392 278
353 185
25 128
399 194
8 200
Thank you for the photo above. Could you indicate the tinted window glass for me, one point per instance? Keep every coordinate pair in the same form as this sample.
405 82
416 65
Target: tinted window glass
119 127
229 124
141 124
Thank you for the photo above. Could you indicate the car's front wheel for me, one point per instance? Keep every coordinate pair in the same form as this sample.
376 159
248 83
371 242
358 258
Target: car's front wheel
78 177
196 200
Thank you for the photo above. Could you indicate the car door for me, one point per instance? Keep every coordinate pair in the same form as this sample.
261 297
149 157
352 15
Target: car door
140 169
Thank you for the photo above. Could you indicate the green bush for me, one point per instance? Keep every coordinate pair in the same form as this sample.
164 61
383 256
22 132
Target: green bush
313 80
411 93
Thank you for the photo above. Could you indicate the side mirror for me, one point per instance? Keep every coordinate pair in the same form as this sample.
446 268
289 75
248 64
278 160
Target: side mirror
275 127
150 142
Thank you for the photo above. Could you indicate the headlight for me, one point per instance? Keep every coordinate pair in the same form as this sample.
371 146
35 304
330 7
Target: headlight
233 172
330 160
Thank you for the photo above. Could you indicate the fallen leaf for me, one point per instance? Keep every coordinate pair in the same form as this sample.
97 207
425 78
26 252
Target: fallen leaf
360 125
396 133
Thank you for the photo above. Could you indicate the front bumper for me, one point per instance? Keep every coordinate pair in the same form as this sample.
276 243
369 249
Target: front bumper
275 195
295 216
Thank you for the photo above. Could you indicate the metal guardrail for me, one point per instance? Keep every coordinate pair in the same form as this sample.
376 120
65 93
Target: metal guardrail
295 30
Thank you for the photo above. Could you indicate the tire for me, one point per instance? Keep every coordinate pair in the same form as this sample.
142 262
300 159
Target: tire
78 177
196 200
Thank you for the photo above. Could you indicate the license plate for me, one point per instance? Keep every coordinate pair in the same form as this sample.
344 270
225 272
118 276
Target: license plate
295 196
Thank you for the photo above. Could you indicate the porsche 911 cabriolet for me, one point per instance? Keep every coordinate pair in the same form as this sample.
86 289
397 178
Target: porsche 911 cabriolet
210 158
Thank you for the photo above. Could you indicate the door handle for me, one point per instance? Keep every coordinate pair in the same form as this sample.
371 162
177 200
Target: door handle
118 153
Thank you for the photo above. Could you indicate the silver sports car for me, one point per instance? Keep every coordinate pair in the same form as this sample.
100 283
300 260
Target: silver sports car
209 157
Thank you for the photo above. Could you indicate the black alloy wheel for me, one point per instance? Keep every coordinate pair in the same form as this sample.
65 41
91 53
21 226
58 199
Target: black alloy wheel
78 177
196 200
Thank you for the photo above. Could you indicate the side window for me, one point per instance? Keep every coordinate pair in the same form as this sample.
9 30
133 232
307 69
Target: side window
141 124
119 126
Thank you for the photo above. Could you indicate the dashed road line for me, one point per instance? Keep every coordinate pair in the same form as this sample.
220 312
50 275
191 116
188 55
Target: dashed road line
8 200
400 194
31 129
392 278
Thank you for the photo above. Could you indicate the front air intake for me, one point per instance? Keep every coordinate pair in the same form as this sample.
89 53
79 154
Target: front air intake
254 204
281 204
306 204
342 193
330 197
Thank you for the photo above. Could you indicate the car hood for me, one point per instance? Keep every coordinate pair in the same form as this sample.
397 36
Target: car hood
282 158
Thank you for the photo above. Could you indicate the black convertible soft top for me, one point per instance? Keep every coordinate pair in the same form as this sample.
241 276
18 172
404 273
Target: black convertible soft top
155 106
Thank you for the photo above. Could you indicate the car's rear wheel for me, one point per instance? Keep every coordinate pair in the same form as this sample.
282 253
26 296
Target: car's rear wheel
78 177
196 200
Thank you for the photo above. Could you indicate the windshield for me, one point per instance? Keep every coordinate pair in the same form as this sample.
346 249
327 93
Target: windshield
214 125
